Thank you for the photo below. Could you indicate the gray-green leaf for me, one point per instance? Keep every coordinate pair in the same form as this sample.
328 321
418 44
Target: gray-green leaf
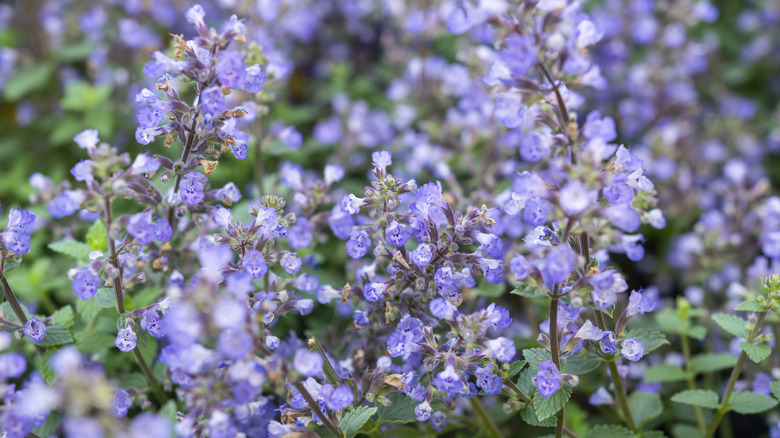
749 402
354 420
651 339
77 250
645 406
605 431
56 334
710 362
698 397
756 352
731 323
665 373
546 407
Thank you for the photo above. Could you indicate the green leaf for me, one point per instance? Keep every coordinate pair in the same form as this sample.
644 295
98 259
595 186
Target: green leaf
399 411
87 309
82 96
11 315
709 362
145 297
96 236
56 334
52 423
749 402
529 291
756 352
26 81
77 250
529 416
93 341
42 362
354 420
581 364
685 431
775 386
609 431
653 434
669 321
106 298
535 356
515 368
490 290
697 332
698 397
64 317
651 339
74 52
732 324
546 407
749 306
645 406
665 373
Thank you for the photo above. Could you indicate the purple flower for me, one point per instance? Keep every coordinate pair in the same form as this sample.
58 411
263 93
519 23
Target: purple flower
255 78
151 426
360 318
121 403
458 21
498 316
520 54
632 349
422 255
35 329
358 243
307 362
140 226
589 332
598 127
234 344
254 263
381 159
291 263
85 283
423 411
439 420
338 398
536 211
192 188
558 264
575 198
125 339
144 164
448 380
149 117
328 131
230 70
601 397
83 170
608 343
12 365
372 292
491 244
639 304
17 241
150 321
87 139
442 308
350 204
212 99
163 230
397 234
502 349
547 379
65 204
290 137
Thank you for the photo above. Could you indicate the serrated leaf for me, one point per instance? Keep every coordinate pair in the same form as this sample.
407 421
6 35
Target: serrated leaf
106 298
709 362
732 324
96 236
749 306
775 387
546 407
87 309
11 315
56 334
26 81
49 376
669 321
529 416
609 431
399 411
749 402
685 431
665 373
535 356
645 406
651 339
64 317
580 364
698 397
354 420
77 250
756 352
515 368
145 297
93 341
529 291
697 332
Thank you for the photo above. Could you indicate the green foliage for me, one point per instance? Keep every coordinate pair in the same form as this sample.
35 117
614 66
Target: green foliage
546 407
607 431
27 80
645 407
514 368
78 250
529 290
710 362
106 298
96 236
775 386
749 402
534 356
64 317
399 411
582 363
56 335
732 324
354 420
665 373
698 397
529 416
651 339
756 352
749 306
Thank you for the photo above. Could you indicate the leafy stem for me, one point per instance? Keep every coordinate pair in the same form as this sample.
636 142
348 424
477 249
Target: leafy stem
315 407
686 350
733 378
619 389
9 295
112 258
485 418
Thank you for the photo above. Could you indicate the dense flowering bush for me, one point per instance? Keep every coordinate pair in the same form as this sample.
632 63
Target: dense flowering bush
327 218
